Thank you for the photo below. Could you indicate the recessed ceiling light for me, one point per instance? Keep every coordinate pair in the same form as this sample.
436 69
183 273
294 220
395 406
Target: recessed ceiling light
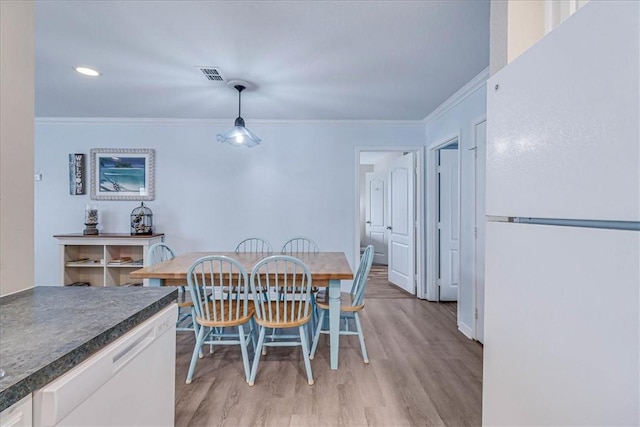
87 71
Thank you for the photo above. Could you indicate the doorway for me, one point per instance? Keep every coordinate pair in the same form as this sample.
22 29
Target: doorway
389 213
443 219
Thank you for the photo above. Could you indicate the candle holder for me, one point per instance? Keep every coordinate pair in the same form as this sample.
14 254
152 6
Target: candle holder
91 220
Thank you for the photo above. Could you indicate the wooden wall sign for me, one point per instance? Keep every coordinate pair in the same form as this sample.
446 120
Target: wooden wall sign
77 181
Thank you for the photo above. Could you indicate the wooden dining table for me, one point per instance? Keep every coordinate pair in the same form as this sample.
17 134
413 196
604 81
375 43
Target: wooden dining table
327 269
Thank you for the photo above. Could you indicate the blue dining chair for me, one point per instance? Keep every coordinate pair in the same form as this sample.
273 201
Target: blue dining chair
222 285
350 305
254 245
281 288
299 245
160 252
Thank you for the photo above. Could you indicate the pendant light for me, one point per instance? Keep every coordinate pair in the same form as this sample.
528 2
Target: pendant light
239 135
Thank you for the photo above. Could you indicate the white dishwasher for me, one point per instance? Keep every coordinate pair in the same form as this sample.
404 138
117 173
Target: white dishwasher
131 382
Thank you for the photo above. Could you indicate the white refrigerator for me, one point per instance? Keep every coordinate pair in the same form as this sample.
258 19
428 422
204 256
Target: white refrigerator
562 300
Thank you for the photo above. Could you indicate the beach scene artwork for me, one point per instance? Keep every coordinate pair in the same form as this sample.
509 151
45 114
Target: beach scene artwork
118 174
122 173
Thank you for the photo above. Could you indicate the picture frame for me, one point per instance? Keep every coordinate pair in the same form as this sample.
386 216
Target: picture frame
122 173
77 177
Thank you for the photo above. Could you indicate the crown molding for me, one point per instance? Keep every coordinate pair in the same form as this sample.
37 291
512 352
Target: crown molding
215 122
474 84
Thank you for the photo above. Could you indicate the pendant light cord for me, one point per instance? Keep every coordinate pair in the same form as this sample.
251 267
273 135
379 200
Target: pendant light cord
240 88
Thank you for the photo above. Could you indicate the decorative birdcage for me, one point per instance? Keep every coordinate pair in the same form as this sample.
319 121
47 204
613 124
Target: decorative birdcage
141 220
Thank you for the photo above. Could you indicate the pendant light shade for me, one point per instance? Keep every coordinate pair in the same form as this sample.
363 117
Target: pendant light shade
239 135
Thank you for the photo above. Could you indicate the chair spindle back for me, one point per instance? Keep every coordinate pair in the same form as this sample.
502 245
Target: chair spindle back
212 280
281 288
360 281
159 252
254 245
300 245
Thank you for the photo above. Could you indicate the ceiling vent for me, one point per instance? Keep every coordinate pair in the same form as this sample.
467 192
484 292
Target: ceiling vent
212 73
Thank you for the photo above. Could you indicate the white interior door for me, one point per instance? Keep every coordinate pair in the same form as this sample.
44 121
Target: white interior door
448 225
480 231
401 227
375 215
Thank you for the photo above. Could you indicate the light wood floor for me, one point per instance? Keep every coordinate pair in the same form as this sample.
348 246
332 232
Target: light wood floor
422 372
378 285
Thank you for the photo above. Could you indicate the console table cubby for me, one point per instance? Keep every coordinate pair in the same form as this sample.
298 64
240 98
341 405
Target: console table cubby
103 260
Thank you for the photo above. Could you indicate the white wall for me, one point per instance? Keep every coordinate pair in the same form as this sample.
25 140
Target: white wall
17 22
209 195
384 164
525 25
459 121
517 25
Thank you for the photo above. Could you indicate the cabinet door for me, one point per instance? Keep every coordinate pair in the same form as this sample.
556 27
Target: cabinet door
18 415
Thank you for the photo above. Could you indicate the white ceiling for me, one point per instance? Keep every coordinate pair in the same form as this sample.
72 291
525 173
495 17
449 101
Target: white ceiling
309 60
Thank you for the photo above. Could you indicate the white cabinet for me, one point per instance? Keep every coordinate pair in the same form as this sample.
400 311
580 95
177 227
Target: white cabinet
130 382
103 260
19 414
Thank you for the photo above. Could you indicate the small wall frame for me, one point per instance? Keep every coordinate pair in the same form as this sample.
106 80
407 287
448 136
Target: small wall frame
122 173
77 178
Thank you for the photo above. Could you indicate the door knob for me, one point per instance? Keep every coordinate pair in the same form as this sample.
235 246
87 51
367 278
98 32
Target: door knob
389 228
368 222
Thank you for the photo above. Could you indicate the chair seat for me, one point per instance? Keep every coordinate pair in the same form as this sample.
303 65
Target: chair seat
281 318
230 317
322 301
184 299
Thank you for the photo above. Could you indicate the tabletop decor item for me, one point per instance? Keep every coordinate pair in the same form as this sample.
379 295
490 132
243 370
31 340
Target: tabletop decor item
141 220
90 219
122 173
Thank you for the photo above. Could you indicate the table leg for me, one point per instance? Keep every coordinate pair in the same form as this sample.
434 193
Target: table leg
334 320
155 282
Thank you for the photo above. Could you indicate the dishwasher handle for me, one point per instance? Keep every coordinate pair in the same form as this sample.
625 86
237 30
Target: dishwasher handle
13 420
123 357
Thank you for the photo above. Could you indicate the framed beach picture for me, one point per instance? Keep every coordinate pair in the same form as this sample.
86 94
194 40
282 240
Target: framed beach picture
122 173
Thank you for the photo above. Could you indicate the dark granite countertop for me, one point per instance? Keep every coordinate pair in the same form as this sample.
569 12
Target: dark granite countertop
46 331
